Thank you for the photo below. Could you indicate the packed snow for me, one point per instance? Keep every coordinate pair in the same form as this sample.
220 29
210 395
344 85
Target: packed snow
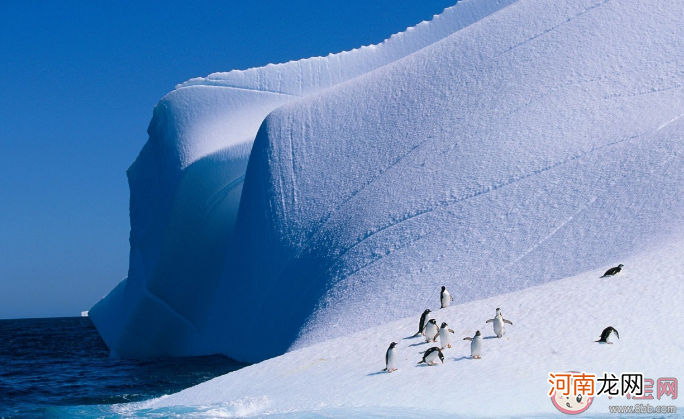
554 329
510 151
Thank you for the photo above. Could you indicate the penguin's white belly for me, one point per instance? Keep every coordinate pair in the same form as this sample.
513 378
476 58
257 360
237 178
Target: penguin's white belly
609 339
446 300
430 332
499 327
391 359
444 337
476 347
432 357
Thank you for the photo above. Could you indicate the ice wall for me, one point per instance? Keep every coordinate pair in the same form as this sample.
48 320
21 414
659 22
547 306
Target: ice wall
186 185
524 144
544 141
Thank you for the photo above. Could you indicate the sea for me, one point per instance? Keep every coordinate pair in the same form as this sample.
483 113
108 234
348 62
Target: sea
60 367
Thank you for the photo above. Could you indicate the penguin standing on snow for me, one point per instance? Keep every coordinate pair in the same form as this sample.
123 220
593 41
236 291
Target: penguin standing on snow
391 358
430 356
444 338
606 335
613 271
445 298
499 321
431 331
475 345
423 322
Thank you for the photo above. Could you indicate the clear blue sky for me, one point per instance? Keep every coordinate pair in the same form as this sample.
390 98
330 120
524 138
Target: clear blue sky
78 81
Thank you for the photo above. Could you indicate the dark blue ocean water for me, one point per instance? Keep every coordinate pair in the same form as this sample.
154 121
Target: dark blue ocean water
46 364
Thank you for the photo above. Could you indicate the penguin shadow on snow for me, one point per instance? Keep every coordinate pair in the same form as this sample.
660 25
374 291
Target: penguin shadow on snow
425 365
491 337
419 344
381 372
460 359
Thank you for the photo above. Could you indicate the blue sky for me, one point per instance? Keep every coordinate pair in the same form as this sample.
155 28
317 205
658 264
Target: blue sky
79 81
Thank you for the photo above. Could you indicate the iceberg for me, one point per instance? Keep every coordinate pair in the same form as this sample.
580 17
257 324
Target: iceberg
499 148
187 181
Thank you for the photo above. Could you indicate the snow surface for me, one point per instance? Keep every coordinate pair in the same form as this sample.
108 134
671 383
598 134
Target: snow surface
537 141
187 181
554 329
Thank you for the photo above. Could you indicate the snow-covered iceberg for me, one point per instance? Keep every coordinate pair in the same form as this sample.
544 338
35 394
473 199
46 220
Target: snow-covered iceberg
495 148
186 185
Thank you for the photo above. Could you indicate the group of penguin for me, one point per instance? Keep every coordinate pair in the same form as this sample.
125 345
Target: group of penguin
428 328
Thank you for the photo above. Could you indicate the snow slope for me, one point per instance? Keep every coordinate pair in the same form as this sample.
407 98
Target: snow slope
554 329
541 142
187 181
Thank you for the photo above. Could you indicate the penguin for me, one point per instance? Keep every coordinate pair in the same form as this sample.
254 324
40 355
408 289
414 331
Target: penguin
445 298
391 358
499 321
475 345
431 331
430 356
613 271
606 335
423 322
444 337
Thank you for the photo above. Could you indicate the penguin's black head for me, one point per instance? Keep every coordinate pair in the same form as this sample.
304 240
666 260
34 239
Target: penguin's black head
477 333
433 321
444 325
443 288
393 344
427 310
621 265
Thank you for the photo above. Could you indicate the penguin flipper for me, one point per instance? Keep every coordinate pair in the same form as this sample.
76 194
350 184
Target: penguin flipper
467 338
451 331
616 333
508 321
489 321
